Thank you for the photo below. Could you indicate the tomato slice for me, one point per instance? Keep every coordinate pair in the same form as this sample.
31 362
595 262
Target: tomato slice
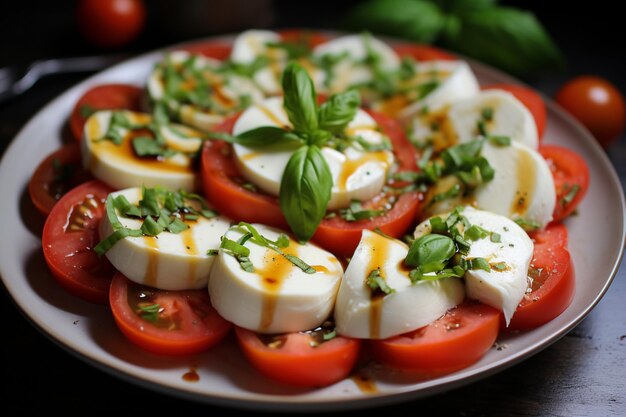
166 322
58 173
223 186
423 52
210 49
454 341
102 97
571 178
553 283
308 37
531 99
298 358
69 234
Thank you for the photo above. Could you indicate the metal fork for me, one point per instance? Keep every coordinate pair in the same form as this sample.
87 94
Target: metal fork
15 80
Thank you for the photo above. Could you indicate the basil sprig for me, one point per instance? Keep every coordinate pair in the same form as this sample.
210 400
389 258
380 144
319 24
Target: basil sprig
506 37
307 181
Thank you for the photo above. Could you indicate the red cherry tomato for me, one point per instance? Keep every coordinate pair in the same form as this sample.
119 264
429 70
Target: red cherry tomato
597 104
529 98
110 23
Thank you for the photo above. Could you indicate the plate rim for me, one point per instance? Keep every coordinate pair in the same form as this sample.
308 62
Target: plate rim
287 403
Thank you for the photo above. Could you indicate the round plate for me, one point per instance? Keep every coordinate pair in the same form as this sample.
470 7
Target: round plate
596 243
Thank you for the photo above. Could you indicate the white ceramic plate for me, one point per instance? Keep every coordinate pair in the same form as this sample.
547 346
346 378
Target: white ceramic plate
88 331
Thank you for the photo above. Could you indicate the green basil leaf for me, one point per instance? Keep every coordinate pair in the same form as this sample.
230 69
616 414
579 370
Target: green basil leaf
336 113
430 252
146 146
417 20
305 191
300 98
464 6
508 38
265 136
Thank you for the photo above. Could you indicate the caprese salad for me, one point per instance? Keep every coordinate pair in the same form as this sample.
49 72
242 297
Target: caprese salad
318 195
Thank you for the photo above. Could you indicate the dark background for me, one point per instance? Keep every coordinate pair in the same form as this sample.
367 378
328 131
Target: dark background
582 374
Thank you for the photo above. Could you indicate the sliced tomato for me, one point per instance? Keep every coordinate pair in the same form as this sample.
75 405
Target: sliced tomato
299 359
58 173
102 97
309 37
166 322
571 178
224 187
69 234
529 98
455 341
553 282
423 52
210 49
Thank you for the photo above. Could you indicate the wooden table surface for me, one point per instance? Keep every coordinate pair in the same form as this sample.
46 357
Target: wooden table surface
583 374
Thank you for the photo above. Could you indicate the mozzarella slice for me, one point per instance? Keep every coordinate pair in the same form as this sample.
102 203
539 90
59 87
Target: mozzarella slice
459 123
167 261
357 174
362 313
522 188
504 286
351 70
455 79
278 296
120 167
251 45
228 92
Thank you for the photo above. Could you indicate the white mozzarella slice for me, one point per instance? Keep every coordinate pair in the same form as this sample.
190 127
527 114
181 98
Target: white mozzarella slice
459 122
363 313
278 296
504 286
351 70
167 261
251 45
357 174
456 82
227 92
118 165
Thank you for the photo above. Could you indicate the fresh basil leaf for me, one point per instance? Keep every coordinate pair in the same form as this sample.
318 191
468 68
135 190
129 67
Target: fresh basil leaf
377 282
417 20
265 136
294 50
305 190
430 252
505 37
336 113
464 6
107 243
300 98
147 146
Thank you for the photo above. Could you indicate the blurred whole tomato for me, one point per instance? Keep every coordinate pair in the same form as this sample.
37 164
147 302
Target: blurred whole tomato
110 23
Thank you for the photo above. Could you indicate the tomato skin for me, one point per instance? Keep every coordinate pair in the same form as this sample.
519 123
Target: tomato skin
531 99
201 326
423 52
597 104
336 235
313 38
45 188
568 169
102 97
554 281
211 49
296 362
110 23
441 347
68 254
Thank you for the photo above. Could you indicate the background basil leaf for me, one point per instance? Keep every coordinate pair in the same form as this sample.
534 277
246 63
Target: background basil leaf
300 98
464 6
505 37
265 136
305 190
336 113
418 20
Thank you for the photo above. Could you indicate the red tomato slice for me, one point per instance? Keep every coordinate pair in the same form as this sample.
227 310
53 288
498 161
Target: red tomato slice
57 174
210 49
102 97
312 38
423 52
224 188
69 234
166 322
292 359
571 178
553 281
531 99
455 341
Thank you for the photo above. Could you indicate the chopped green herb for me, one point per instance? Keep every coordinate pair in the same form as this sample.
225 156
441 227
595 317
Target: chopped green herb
495 237
149 312
376 282
356 212
571 194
